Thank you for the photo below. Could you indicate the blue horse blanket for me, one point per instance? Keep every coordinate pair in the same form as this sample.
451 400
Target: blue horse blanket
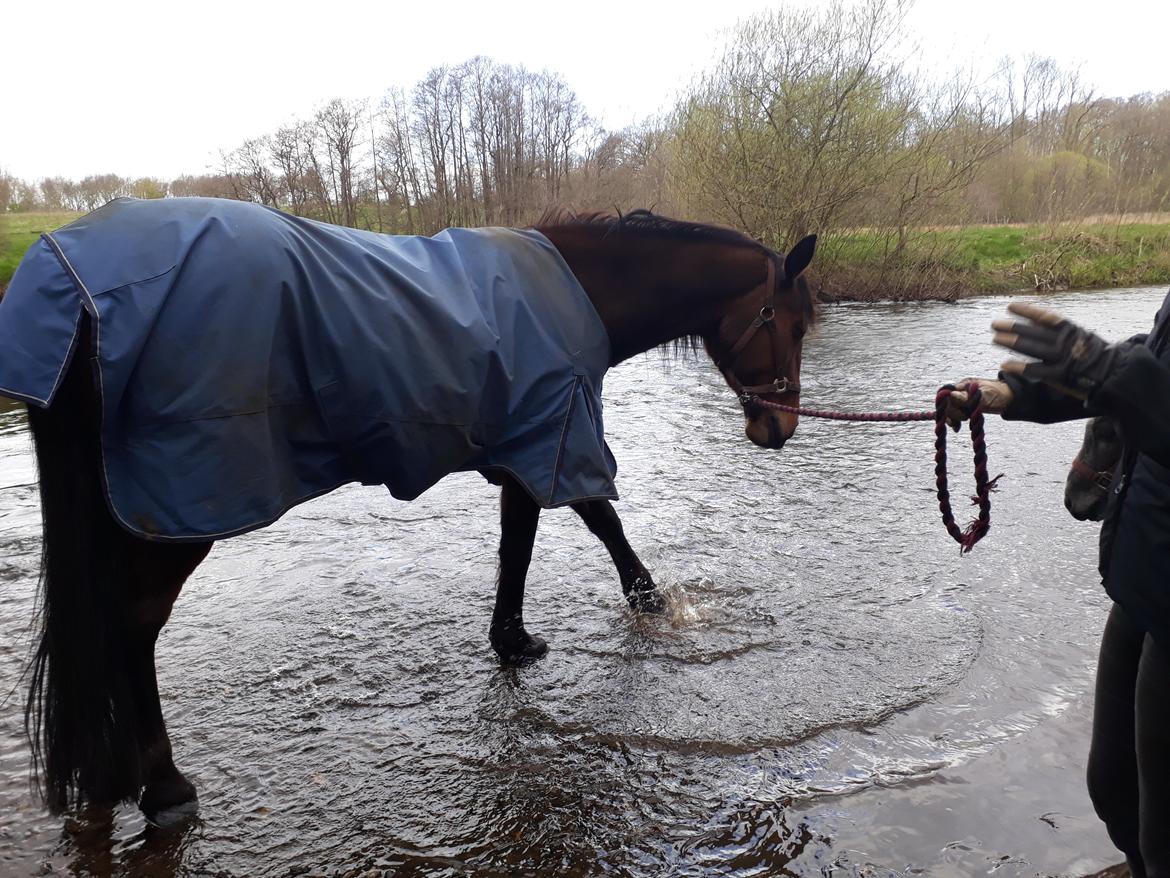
248 360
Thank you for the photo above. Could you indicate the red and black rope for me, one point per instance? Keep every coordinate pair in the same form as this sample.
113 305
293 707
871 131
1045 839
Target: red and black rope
979 527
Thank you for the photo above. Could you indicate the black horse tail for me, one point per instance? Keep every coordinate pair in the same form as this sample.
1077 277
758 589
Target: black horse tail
80 713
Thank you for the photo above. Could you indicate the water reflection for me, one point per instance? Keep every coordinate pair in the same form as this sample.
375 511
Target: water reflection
833 688
93 844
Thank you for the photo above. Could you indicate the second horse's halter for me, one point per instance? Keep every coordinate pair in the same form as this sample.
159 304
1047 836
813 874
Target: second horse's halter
1100 479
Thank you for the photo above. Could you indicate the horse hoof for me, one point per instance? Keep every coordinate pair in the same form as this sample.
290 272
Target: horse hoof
650 600
172 815
519 647
170 803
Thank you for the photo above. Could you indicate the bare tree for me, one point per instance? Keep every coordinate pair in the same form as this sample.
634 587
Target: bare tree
202 186
7 182
97 189
396 169
251 177
288 154
53 193
339 124
811 120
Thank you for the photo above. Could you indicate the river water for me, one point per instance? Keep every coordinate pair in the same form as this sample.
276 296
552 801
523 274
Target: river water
834 691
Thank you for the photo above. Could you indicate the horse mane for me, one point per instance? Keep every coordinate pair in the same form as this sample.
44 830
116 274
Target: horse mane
643 221
646 221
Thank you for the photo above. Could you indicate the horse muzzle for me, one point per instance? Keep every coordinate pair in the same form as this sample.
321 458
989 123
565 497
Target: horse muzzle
769 429
1086 509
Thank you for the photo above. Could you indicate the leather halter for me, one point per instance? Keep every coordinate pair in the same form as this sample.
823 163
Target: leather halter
766 318
1100 479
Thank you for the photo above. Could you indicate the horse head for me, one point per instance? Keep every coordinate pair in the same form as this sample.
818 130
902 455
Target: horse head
655 280
1086 489
757 344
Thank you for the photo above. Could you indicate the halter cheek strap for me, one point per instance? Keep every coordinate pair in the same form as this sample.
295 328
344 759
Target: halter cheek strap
766 318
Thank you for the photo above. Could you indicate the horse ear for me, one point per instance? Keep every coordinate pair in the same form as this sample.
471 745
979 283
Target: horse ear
799 257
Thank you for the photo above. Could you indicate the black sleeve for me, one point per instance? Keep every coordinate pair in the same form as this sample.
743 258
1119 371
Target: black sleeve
1137 393
1039 402
1043 404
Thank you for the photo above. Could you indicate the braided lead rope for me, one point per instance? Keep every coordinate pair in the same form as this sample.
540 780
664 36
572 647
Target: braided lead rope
979 527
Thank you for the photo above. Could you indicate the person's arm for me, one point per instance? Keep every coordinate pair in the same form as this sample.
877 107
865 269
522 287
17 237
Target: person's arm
1137 393
1043 403
1038 402
1018 397
1125 380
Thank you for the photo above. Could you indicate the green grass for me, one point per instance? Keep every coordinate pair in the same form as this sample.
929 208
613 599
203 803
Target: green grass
950 262
19 231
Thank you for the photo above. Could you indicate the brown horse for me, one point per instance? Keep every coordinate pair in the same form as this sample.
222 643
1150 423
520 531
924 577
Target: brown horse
1086 490
93 714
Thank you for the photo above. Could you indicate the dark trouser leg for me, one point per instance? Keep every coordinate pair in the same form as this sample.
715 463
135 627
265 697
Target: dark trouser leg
1153 758
1113 767
157 572
519 515
637 583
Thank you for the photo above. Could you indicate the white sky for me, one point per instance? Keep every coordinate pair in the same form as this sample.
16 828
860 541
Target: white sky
159 88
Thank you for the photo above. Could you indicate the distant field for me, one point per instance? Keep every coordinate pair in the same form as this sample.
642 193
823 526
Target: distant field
18 231
934 263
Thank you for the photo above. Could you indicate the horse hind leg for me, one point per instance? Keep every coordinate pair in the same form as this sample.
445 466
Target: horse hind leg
637 583
92 715
157 572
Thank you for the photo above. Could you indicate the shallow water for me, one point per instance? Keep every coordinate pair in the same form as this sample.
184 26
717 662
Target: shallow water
834 691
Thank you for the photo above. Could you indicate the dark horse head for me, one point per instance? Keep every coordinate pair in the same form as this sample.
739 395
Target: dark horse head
655 280
1086 490
763 360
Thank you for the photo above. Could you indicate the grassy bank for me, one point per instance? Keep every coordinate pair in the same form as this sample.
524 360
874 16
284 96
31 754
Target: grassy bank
948 263
867 265
18 231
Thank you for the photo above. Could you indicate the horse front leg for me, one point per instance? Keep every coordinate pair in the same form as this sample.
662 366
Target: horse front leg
519 515
637 583
157 572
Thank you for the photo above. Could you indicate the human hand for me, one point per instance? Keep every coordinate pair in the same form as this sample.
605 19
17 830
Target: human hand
1068 357
995 397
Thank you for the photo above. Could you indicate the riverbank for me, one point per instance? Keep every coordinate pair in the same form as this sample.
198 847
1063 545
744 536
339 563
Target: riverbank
953 263
927 265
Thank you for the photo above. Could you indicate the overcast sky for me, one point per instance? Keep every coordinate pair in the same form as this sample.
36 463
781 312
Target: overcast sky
159 88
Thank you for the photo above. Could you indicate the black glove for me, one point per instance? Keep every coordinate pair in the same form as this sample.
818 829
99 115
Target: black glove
1069 357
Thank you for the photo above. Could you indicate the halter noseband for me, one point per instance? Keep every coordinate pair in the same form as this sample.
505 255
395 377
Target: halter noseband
1101 479
766 317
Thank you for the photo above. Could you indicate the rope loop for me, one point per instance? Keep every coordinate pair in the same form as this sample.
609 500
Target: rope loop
977 529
